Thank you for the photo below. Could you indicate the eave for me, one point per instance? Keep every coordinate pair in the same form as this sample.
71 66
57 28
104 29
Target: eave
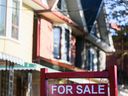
57 17
35 4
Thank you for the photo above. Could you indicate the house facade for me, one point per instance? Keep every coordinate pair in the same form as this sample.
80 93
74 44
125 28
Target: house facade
70 41
64 43
53 34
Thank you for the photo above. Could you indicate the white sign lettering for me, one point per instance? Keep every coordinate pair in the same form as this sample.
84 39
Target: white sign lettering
78 89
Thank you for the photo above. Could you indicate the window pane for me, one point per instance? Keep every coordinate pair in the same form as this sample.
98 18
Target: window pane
61 5
61 43
15 19
57 41
65 45
2 17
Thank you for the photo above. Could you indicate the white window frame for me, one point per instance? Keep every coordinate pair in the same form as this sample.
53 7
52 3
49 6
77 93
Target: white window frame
4 26
9 20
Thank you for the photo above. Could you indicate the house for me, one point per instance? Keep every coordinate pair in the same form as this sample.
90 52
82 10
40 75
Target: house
49 34
65 43
16 31
15 48
56 26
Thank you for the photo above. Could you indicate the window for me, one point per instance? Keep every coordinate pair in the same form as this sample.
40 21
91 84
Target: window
2 17
61 43
92 60
57 42
15 19
65 45
61 5
9 22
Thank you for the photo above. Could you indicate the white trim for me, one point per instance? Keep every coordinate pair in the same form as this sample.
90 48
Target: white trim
33 4
9 39
9 21
8 18
4 56
20 16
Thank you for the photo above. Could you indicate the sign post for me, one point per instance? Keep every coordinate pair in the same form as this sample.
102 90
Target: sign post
100 89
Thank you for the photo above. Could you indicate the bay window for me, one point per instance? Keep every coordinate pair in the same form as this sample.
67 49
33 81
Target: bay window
2 17
9 18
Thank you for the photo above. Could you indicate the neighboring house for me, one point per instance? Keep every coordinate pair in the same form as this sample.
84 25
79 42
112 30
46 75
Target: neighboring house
16 36
62 44
14 46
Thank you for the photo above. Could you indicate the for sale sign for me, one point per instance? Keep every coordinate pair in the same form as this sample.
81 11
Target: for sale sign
78 90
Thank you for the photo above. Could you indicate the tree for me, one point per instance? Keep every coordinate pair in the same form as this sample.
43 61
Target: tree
117 16
117 11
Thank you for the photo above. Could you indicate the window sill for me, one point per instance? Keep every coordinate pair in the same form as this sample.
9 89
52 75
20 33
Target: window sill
9 39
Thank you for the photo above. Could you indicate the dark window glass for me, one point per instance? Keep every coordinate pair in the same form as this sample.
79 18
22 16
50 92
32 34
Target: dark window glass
65 45
61 43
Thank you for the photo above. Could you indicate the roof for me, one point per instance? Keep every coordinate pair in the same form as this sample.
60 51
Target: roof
13 59
27 66
20 64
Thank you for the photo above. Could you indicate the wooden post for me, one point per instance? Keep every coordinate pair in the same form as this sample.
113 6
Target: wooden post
43 82
113 80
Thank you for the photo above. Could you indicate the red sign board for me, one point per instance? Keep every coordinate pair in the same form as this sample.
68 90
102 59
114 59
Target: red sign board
99 89
78 90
